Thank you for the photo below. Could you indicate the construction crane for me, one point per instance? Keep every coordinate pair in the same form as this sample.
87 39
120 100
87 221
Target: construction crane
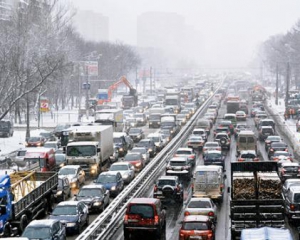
114 87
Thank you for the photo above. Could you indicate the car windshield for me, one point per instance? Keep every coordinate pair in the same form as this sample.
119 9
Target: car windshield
67 171
199 204
90 192
211 145
248 155
154 117
37 233
195 139
139 150
145 211
297 198
75 151
117 140
134 130
274 138
164 182
278 145
21 153
155 139
65 210
177 163
106 179
276 154
143 144
183 152
198 132
59 128
194 226
213 155
34 139
132 157
118 168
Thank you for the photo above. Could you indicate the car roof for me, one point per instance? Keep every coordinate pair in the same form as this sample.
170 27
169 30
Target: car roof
184 149
196 218
248 151
168 178
214 151
109 173
72 166
199 129
42 223
182 159
292 164
266 127
91 186
68 203
120 163
144 200
215 143
196 199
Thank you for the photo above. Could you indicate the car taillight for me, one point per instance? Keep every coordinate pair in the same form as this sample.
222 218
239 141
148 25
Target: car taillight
275 158
256 159
286 149
241 160
155 188
192 156
292 207
271 150
156 220
218 148
267 141
186 213
211 214
177 188
126 218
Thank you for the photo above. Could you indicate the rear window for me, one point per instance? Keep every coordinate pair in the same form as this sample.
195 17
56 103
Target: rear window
195 226
145 211
243 139
229 117
199 204
177 163
211 145
164 182
291 168
248 155
183 152
267 130
250 140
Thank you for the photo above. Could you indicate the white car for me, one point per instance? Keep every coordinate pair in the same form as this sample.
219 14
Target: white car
158 140
211 146
126 170
74 173
187 152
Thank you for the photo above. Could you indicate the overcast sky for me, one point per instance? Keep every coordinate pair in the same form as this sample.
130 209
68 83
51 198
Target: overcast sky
229 27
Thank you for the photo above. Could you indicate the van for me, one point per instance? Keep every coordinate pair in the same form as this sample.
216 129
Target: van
291 203
246 140
120 143
208 181
231 117
204 123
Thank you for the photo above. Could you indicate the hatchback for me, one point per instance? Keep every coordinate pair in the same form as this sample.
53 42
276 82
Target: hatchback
125 168
112 181
74 173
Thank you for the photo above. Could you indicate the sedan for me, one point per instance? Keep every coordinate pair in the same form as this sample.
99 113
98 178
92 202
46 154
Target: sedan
195 142
38 141
125 168
214 157
63 190
277 146
271 139
281 156
96 197
288 183
74 214
241 116
136 134
289 170
136 159
202 206
74 173
211 146
112 181
187 152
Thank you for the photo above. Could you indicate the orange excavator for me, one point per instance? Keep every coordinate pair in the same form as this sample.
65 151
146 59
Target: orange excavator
128 101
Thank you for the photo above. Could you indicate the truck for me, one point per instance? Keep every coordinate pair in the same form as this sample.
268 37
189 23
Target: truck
255 199
173 100
233 106
112 117
6 128
24 196
44 157
266 233
91 147
168 121
208 181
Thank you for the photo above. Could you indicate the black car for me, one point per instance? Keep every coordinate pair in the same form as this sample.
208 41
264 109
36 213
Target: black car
148 144
168 188
276 146
74 214
136 134
271 139
60 128
214 157
264 132
96 197
63 190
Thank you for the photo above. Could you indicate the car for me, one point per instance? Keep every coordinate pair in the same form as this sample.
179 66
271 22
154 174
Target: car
136 159
222 130
214 157
200 132
211 116
258 117
60 128
227 123
197 227
120 143
181 118
47 135
168 188
253 111
159 142
145 215
112 181
271 139
129 142
241 116
63 190
195 142
131 122
231 117
277 146
149 145
50 229
141 119
202 206
187 152
239 127
179 166
96 197
19 157
37 141
74 173
125 168
288 183
264 132
60 158
266 122
187 113
282 156
75 215
136 134
166 134
211 146
52 144
247 156
144 153
289 170
223 139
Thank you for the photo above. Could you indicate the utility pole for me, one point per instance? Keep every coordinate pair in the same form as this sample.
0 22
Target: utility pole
287 84
87 87
277 80
261 72
151 80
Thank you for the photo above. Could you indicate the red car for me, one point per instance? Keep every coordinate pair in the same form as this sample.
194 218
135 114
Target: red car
35 141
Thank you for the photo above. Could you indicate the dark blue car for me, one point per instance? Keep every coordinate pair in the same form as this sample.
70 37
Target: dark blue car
74 214
112 181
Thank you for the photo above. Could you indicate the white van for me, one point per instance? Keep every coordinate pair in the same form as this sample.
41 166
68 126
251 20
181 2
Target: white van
246 140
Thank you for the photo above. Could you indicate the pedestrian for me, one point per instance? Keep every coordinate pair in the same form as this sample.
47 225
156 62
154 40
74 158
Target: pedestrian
293 113
290 113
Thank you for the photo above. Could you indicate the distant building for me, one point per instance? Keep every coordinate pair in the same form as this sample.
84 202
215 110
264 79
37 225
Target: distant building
92 26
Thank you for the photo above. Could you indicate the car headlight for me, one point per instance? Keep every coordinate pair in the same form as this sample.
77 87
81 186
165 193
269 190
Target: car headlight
113 188
71 224
171 131
132 124
61 165
97 203
138 164
73 180
126 175
150 150
121 149
94 167
59 193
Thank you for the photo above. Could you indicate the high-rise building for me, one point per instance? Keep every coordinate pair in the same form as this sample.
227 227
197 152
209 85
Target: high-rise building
92 26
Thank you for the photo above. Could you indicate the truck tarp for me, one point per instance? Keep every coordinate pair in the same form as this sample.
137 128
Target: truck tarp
266 233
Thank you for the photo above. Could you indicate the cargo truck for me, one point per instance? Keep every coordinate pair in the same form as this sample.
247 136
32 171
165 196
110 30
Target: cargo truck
112 117
91 147
172 100
233 106
154 117
256 199
25 196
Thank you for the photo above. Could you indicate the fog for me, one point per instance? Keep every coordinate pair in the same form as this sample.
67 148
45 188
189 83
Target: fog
212 33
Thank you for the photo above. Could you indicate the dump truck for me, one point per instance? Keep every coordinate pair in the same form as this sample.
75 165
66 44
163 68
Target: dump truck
91 147
256 199
24 196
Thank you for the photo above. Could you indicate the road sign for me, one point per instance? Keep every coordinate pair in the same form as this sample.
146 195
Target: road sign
44 105
88 68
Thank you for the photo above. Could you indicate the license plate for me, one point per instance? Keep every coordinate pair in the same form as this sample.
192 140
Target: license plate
196 237
133 220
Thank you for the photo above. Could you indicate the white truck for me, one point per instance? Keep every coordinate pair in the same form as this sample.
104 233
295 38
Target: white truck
112 117
91 147
172 100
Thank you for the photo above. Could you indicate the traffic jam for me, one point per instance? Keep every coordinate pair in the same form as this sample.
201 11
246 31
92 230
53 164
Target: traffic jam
232 175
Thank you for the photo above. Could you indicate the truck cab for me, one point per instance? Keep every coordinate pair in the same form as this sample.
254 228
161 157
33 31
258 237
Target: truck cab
45 157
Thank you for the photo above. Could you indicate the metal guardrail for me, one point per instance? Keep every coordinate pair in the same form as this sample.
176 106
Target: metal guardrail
106 224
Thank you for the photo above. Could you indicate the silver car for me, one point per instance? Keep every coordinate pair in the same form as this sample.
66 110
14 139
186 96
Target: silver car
74 173
126 170
144 152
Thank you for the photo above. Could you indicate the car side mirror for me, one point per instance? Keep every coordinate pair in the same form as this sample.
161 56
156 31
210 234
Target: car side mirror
228 189
225 176
164 208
